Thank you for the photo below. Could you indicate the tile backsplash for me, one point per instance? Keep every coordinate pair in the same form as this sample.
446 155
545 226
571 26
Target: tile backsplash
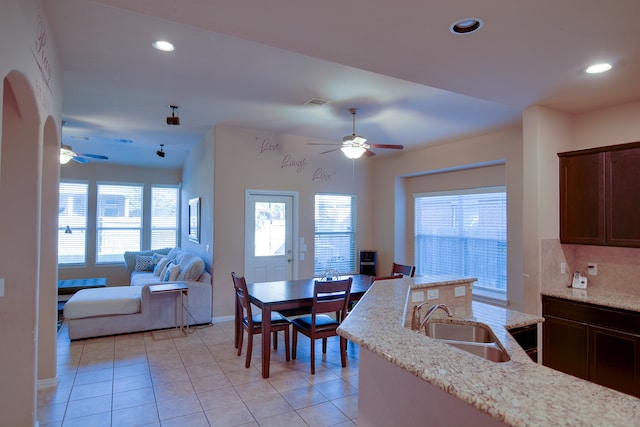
618 268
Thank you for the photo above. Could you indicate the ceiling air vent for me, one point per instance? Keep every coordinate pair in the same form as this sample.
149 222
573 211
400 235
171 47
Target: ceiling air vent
316 102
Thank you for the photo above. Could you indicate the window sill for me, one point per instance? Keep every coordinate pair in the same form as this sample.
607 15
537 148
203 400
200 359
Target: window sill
490 297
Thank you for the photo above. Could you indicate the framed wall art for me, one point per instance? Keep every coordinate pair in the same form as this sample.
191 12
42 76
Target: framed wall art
194 220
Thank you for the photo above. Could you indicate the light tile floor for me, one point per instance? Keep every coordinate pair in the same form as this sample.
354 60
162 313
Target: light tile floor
163 378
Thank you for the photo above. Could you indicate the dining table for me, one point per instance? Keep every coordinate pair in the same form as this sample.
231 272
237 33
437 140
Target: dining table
289 297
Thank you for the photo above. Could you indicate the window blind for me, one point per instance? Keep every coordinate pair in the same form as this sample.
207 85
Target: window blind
72 223
119 221
335 234
463 233
164 217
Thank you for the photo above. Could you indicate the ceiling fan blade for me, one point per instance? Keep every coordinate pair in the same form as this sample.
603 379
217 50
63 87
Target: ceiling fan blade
369 153
392 146
323 143
93 156
79 160
329 151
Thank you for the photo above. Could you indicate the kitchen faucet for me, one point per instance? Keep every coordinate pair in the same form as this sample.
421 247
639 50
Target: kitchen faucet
416 324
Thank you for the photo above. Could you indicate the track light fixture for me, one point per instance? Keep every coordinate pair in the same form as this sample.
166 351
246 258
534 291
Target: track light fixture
173 119
161 152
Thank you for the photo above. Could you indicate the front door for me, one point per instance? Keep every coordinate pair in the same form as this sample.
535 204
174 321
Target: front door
269 236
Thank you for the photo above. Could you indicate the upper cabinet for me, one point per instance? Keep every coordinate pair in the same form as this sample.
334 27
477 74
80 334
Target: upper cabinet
599 196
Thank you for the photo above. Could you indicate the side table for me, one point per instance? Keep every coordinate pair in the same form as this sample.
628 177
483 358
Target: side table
184 292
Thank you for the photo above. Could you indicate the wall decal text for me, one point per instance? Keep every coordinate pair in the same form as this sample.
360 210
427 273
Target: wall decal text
289 162
320 175
267 145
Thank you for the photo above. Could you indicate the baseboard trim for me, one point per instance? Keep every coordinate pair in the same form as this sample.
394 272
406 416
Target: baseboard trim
221 319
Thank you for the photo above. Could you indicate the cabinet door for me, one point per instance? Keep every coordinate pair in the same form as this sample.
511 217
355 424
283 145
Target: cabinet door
582 199
565 346
622 202
614 359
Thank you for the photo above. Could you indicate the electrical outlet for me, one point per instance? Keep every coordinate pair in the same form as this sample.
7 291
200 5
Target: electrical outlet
459 291
1 287
432 294
563 268
592 269
417 296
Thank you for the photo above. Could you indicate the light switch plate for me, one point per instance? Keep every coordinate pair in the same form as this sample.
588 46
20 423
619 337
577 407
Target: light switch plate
417 296
432 294
459 291
1 287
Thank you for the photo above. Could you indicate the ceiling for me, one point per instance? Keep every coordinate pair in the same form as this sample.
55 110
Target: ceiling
255 64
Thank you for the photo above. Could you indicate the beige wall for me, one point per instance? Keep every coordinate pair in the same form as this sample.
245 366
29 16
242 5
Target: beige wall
548 132
256 160
421 170
31 111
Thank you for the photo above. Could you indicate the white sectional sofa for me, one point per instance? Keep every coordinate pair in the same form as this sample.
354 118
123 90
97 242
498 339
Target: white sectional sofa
124 309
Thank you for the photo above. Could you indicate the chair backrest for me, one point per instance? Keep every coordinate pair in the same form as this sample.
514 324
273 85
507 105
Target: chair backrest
331 297
242 295
405 270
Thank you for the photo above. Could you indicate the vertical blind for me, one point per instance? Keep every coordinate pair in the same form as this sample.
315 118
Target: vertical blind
119 221
72 223
463 233
335 234
164 217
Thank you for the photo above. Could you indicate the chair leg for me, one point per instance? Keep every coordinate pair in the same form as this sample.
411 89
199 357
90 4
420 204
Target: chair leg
247 362
294 343
313 356
240 338
324 346
343 351
275 340
286 344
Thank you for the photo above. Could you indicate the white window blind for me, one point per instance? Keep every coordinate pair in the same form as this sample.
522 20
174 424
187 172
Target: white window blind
164 217
119 221
72 223
463 233
335 234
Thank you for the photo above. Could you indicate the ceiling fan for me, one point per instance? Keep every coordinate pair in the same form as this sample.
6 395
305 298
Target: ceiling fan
67 154
353 146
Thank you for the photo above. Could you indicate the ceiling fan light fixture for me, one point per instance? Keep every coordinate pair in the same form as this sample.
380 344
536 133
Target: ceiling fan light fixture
163 45
65 154
353 151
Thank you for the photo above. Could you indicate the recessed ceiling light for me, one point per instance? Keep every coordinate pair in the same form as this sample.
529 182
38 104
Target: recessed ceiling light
598 68
466 26
163 45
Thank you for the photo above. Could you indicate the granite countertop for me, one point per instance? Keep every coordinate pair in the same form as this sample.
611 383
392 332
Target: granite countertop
518 392
597 296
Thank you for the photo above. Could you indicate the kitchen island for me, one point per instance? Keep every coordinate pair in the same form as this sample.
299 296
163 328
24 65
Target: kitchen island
407 378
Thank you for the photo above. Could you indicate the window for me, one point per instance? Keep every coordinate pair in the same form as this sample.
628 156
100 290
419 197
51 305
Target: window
164 217
72 223
464 233
119 221
335 234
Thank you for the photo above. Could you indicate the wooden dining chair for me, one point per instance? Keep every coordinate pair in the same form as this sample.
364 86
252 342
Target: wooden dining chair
405 270
328 297
377 278
252 323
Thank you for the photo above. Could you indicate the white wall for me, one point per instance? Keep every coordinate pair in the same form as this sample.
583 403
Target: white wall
251 159
32 84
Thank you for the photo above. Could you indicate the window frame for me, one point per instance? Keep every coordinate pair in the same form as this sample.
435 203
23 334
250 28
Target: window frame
151 217
62 228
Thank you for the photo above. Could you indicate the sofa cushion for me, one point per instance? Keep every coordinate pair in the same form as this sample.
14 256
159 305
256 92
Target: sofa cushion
103 302
172 272
191 268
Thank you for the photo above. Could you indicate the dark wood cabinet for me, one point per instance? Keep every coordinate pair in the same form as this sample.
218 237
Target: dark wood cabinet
598 203
527 338
596 343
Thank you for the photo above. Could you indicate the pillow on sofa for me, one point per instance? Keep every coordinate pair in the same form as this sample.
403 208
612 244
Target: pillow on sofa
130 256
144 263
160 266
173 270
191 269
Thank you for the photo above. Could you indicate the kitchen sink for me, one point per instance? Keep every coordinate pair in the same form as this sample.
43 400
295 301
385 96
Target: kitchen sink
490 351
459 332
474 338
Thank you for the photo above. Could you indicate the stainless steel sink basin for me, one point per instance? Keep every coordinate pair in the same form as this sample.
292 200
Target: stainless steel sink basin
489 351
474 338
459 332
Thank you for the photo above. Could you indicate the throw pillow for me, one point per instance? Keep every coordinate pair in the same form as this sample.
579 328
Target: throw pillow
160 266
144 263
172 272
192 269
